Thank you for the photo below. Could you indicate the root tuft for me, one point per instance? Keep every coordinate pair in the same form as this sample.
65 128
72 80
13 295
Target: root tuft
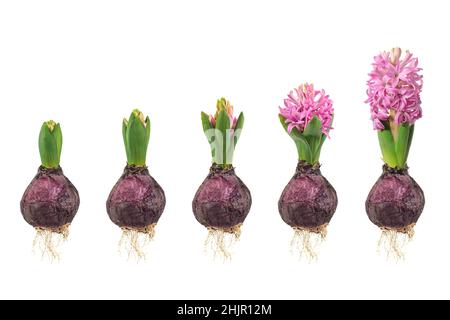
306 241
220 240
48 240
393 241
135 240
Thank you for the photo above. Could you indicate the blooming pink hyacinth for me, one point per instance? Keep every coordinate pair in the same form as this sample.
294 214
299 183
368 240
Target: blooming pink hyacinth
224 104
303 104
394 89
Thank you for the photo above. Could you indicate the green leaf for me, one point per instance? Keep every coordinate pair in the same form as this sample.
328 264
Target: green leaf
283 122
238 128
209 132
295 134
219 147
59 141
411 133
148 129
387 145
124 134
303 147
48 149
222 126
319 149
136 138
322 140
229 147
206 123
223 121
304 151
314 128
313 134
401 144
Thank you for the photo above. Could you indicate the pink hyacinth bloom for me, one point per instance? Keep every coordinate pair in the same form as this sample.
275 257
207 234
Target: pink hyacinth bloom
394 89
303 104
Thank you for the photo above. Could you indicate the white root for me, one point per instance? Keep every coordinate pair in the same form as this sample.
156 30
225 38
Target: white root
135 240
306 241
393 241
48 240
220 240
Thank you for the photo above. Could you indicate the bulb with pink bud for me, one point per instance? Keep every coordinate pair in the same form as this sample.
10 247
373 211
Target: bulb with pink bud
223 201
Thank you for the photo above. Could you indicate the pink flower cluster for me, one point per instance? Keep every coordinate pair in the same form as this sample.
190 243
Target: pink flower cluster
303 104
394 89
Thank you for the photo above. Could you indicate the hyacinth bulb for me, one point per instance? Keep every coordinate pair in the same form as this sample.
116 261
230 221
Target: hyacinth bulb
396 201
137 201
394 204
51 201
223 201
309 201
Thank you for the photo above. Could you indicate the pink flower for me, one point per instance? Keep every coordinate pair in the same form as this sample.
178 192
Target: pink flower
394 89
303 104
226 105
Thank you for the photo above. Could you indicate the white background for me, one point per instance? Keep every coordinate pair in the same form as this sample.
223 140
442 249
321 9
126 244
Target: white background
87 64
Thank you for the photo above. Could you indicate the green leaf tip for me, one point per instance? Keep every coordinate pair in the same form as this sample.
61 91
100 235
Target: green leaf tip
50 144
136 136
206 122
238 129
